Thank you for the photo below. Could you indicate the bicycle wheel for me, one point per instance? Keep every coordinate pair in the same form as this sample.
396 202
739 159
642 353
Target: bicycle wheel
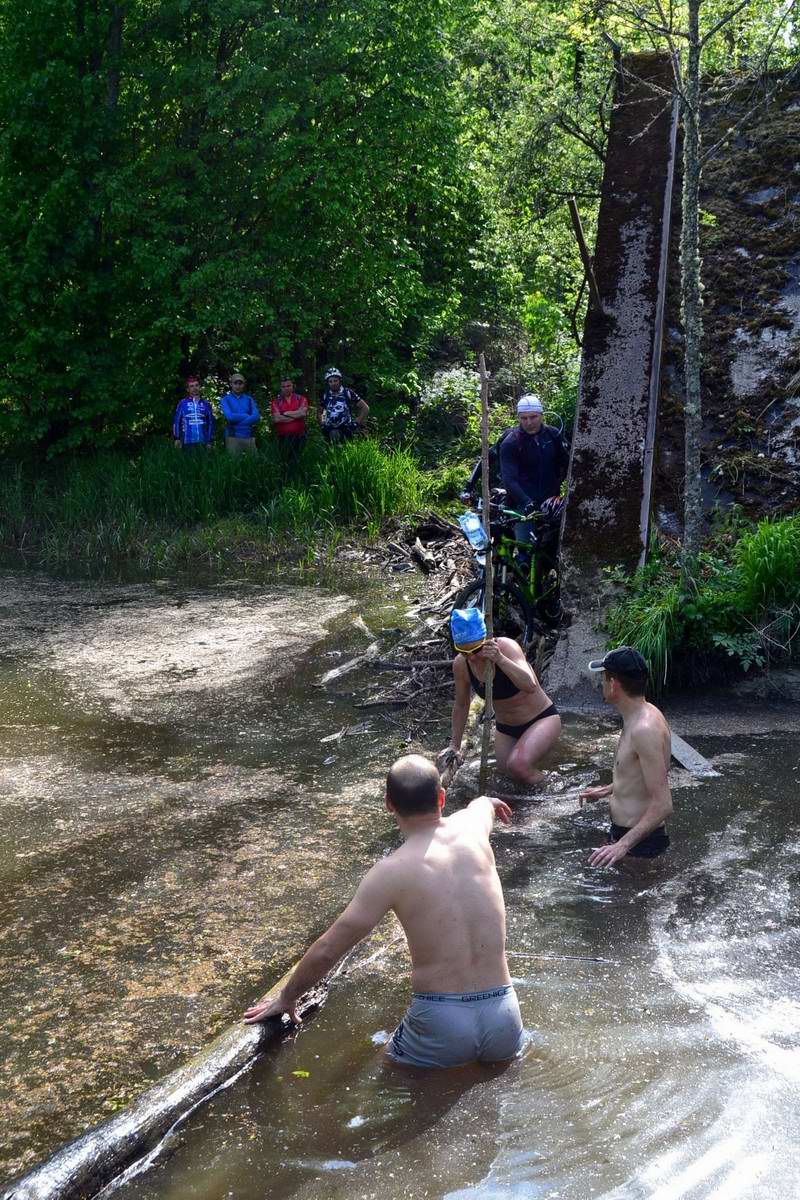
511 612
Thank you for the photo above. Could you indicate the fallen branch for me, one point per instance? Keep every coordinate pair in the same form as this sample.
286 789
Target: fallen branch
379 701
345 668
424 557
416 664
88 1164
611 962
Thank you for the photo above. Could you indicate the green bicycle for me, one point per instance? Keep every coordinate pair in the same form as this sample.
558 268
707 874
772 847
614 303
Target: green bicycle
527 599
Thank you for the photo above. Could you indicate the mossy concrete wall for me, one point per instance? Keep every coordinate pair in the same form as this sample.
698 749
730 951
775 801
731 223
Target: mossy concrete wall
611 468
608 507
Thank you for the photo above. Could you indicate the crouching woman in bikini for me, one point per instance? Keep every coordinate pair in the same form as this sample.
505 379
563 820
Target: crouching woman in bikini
527 723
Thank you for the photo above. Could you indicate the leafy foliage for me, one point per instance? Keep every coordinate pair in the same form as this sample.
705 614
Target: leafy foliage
212 185
744 603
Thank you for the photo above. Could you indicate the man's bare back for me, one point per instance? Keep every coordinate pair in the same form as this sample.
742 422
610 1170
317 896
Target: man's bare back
443 886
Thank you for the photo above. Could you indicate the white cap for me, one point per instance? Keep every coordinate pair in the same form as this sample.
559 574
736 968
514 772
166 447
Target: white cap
529 404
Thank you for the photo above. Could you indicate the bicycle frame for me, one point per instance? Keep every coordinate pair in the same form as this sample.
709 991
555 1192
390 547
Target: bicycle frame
535 590
504 560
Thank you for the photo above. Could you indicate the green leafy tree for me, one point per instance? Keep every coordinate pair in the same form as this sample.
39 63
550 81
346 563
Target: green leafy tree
202 185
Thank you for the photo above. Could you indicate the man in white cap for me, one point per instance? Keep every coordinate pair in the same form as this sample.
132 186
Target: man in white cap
533 457
533 464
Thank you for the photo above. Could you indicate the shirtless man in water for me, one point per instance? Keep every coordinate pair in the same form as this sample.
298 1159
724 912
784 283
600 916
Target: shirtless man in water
639 796
443 887
527 723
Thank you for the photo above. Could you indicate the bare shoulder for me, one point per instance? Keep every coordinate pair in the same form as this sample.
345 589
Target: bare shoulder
511 649
650 727
389 874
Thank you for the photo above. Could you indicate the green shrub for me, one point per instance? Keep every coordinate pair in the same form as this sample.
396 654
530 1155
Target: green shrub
448 415
652 622
769 564
743 604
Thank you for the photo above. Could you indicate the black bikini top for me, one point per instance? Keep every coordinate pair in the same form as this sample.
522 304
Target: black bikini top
503 688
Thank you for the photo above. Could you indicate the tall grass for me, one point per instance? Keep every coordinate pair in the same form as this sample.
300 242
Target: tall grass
116 505
768 560
652 623
743 607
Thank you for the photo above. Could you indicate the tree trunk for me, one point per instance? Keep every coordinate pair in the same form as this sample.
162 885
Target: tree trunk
488 708
691 300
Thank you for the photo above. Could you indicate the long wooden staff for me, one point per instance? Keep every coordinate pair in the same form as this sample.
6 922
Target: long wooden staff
488 711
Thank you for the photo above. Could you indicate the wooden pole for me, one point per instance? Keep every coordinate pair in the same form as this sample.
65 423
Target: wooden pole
586 257
488 710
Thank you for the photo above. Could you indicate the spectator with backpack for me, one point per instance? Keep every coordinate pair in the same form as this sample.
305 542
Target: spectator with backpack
341 411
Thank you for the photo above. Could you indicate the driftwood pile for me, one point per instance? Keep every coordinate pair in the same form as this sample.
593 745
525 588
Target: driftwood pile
416 673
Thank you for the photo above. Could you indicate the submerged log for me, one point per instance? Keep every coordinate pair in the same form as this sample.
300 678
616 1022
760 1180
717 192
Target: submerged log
345 668
85 1166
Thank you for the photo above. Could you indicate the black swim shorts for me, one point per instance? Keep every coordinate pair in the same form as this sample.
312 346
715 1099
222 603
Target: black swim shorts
649 847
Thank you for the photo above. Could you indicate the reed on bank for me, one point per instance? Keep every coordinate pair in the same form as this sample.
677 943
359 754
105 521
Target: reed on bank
160 503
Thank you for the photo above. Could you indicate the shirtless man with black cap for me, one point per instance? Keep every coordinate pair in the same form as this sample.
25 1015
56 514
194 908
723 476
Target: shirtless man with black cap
443 887
639 796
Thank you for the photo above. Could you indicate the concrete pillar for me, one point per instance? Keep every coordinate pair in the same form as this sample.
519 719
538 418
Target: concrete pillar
611 470
607 515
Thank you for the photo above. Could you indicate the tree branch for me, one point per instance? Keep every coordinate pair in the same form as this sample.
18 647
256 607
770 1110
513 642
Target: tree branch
722 22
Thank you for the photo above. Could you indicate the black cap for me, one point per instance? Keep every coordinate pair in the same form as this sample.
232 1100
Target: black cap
622 661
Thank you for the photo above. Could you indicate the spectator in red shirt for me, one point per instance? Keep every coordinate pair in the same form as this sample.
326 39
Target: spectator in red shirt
289 412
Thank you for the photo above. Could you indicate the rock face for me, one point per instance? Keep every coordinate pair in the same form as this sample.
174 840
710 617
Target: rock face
751 311
609 490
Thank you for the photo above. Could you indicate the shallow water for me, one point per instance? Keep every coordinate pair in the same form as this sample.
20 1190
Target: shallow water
166 862
161 776
668 1069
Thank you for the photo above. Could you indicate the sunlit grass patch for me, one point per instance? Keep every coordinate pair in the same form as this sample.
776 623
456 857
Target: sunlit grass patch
742 607
117 506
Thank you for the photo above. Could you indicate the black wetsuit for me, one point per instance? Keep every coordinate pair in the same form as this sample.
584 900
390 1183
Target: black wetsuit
504 689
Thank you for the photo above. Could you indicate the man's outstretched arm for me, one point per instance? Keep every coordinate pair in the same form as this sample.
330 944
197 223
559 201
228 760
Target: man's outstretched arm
484 809
371 902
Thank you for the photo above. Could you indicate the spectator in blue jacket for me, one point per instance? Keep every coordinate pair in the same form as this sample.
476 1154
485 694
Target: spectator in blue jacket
193 423
241 413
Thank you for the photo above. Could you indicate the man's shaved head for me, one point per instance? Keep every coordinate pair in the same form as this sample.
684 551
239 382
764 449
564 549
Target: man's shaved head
413 786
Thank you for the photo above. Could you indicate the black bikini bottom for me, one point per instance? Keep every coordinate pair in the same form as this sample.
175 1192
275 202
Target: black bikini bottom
516 731
651 846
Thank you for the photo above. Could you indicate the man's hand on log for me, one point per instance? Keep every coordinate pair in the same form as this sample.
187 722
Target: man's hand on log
265 1009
